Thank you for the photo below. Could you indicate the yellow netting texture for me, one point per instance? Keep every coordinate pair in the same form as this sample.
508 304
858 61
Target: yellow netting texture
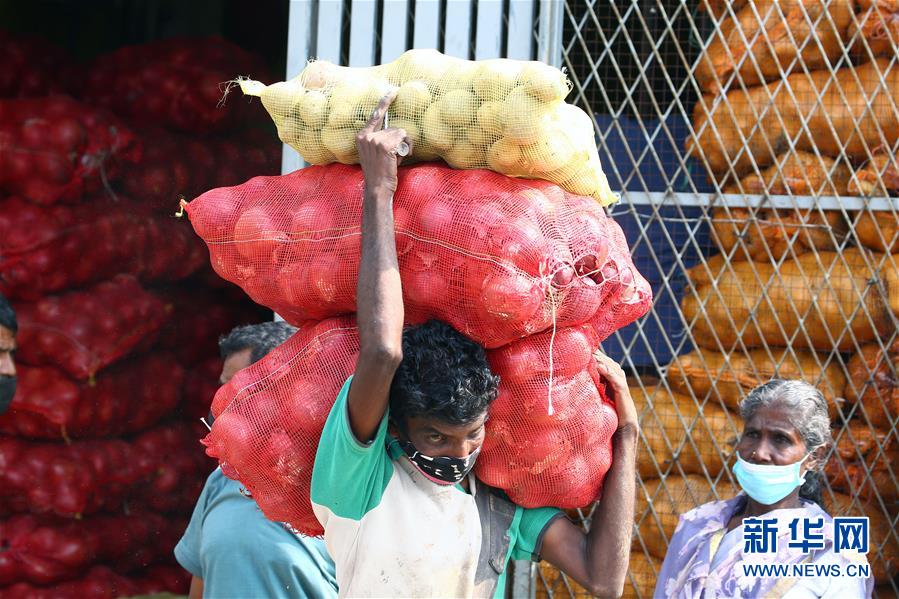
505 115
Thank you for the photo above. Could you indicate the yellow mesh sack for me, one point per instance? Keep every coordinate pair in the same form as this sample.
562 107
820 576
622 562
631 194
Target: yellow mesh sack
505 115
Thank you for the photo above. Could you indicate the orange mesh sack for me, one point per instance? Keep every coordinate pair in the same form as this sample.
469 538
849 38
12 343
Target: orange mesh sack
769 37
878 176
505 115
269 419
817 301
549 436
875 30
873 382
497 258
849 110
769 233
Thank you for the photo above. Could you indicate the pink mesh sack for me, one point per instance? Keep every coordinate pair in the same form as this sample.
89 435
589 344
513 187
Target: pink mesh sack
549 436
497 258
269 419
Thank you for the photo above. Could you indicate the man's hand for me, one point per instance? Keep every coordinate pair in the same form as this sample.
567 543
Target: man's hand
624 403
378 149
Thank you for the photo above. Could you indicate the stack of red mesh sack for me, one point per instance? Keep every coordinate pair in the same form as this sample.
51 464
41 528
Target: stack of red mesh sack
34 67
536 275
119 320
174 83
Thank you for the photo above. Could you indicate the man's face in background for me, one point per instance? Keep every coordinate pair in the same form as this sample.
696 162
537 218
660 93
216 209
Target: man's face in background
234 363
7 367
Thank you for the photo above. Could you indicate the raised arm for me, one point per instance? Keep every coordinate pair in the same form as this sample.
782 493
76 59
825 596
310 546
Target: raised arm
598 560
379 297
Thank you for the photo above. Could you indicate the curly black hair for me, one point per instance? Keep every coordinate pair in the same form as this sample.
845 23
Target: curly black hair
443 375
8 315
260 338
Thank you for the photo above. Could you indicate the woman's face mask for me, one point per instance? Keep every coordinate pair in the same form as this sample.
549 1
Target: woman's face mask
769 483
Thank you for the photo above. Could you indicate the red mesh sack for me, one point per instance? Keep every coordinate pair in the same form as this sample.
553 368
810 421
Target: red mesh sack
83 477
174 165
45 549
175 469
161 468
270 416
102 583
198 317
33 67
47 249
79 331
269 419
56 149
199 388
174 83
549 436
128 397
497 258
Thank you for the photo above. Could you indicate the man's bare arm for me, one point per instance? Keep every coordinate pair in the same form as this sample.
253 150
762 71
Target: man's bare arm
379 297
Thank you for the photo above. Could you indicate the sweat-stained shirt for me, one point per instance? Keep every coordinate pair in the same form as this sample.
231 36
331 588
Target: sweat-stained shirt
394 533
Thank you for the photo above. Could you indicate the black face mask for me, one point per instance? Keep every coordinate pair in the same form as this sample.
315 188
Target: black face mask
7 391
441 470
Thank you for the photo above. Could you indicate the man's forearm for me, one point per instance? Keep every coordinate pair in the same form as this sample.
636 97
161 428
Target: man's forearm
379 296
609 539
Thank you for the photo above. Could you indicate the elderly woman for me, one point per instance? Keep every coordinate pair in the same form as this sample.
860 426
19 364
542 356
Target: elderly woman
785 441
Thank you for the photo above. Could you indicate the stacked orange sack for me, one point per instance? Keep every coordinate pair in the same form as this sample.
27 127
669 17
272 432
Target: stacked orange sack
535 274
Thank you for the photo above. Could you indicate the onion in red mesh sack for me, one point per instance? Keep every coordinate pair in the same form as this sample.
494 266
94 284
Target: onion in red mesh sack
269 418
102 583
32 67
199 388
175 83
174 165
56 149
46 249
497 258
198 318
176 468
550 430
160 469
128 397
82 332
47 549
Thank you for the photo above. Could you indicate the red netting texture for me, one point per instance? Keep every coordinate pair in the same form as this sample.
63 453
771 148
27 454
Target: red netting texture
79 331
101 582
55 149
128 397
45 549
174 83
548 437
497 258
46 249
159 469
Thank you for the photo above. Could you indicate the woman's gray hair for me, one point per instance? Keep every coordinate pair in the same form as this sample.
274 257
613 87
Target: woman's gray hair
806 410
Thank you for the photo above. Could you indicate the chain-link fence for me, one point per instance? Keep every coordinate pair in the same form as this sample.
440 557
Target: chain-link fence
754 146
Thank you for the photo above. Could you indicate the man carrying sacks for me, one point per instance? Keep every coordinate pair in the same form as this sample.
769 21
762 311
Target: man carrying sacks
392 483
